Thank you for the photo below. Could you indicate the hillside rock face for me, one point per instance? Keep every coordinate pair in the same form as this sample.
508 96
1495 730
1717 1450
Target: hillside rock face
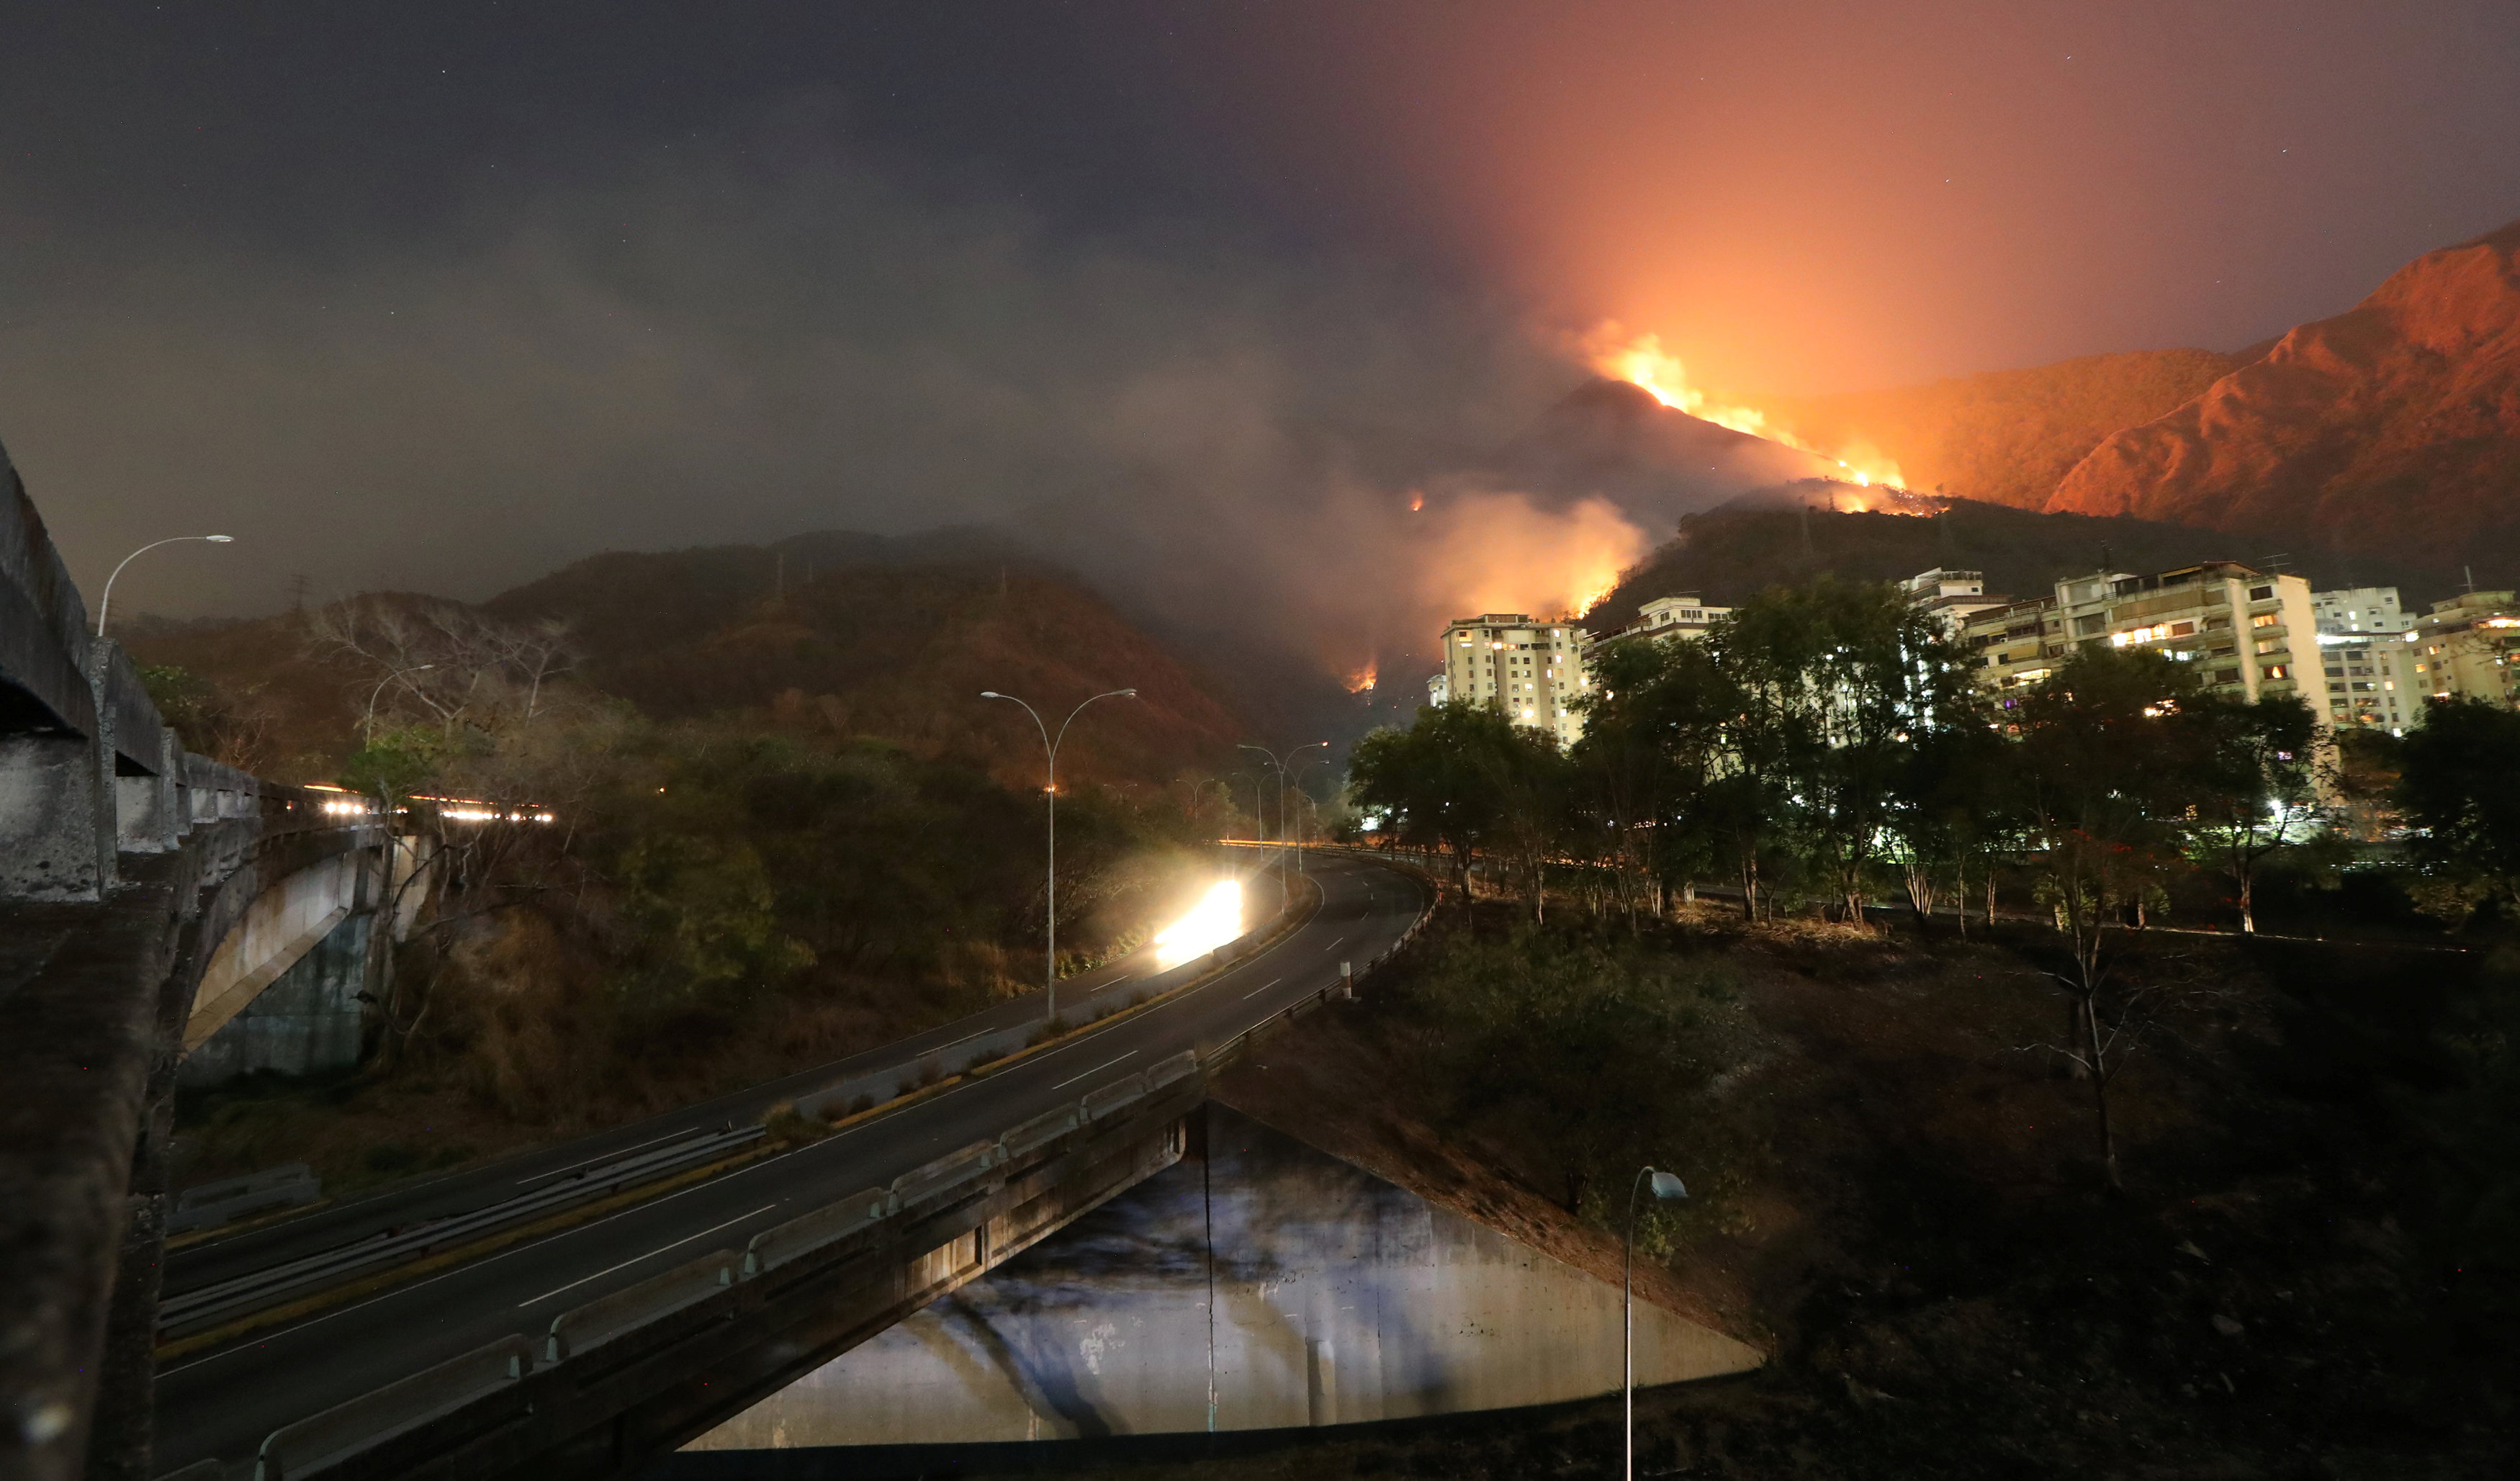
2005 437
2393 428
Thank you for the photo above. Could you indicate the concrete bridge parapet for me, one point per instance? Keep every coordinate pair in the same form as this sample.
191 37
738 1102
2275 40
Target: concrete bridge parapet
127 867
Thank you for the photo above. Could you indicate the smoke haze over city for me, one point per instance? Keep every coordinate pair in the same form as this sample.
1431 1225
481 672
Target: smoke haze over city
1188 299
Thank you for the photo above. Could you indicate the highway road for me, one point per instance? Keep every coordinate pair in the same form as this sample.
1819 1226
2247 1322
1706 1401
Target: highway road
222 1403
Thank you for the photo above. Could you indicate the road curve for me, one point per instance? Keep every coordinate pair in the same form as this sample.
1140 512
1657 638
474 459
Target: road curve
220 1404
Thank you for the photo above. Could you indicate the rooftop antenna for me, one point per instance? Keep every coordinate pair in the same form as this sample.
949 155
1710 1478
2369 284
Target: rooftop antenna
2470 571
2274 563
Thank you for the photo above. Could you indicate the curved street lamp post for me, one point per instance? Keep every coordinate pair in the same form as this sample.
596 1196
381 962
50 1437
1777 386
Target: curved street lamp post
1049 890
105 603
1280 762
1668 1188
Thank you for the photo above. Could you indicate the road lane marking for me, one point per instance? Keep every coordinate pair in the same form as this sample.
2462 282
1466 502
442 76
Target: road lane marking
1333 946
466 1267
1095 1070
635 1259
1262 988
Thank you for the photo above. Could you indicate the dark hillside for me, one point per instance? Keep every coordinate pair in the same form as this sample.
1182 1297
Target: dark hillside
852 634
837 635
1727 555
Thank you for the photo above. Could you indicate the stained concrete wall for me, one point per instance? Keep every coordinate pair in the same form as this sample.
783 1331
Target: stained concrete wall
283 924
309 1018
1293 1287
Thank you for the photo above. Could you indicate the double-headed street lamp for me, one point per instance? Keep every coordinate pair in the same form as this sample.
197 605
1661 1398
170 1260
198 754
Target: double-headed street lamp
1666 1187
1280 762
1050 887
105 603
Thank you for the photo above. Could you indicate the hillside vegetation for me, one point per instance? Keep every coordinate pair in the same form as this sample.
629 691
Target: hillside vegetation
784 825
2307 1274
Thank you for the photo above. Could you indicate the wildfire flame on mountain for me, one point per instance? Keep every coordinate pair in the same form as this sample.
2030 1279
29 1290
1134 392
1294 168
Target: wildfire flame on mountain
1638 360
1361 681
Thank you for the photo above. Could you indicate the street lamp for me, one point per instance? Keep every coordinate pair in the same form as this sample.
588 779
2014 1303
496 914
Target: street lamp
1050 887
368 727
1665 1186
1280 762
106 602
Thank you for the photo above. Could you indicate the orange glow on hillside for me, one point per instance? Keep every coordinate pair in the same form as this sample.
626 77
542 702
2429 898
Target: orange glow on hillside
1640 360
1361 681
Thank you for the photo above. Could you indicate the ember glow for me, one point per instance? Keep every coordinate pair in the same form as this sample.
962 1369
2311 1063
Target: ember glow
1361 681
1640 360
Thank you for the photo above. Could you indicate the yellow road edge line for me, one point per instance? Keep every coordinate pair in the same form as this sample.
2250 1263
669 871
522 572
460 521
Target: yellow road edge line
191 1236
385 1279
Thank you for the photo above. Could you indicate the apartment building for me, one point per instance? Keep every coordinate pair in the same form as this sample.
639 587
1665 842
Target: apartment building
1681 617
1531 671
1952 597
2468 645
2247 633
2361 609
2369 668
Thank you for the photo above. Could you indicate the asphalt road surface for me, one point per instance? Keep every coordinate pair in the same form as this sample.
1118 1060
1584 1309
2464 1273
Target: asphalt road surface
222 1403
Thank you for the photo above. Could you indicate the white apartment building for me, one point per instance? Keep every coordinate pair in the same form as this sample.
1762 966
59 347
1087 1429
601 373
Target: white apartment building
2371 670
1951 596
1529 671
2245 632
2361 609
2468 645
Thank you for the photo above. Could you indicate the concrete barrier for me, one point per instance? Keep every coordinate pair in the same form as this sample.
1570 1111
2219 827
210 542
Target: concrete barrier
586 1327
206 1205
1113 1099
1040 1129
307 1446
800 1237
1164 1072
953 1168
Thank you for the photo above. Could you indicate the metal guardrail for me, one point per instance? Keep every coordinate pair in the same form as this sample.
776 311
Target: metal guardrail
241 1295
206 1205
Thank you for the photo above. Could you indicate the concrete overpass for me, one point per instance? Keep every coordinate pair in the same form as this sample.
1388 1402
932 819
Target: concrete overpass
149 899
588 1349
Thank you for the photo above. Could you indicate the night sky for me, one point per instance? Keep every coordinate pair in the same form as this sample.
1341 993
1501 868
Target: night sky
443 296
